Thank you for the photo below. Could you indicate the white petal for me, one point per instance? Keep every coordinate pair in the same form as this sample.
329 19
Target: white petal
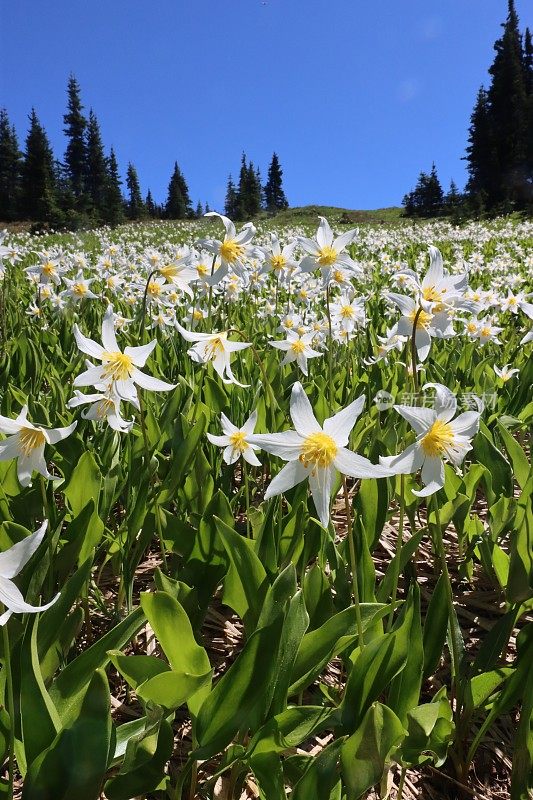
11 597
445 403
252 459
141 353
357 466
324 234
9 425
148 382
302 414
220 441
340 425
91 377
250 423
404 463
432 477
14 559
466 423
109 340
286 445
292 473
86 345
320 481
419 417
58 434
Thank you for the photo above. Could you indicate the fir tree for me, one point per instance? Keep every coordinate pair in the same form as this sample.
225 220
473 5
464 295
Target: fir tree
10 166
481 155
75 125
150 205
178 204
114 204
38 191
231 203
135 205
206 208
96 174
199 210
427 199
242 191
274 195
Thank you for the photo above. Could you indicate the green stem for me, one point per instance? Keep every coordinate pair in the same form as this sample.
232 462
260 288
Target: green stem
144 431
157 510
398 554
330 353
353 563
399 794
247 497
413 350
143 307
10 706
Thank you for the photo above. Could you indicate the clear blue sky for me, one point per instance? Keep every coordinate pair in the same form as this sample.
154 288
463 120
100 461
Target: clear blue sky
356 97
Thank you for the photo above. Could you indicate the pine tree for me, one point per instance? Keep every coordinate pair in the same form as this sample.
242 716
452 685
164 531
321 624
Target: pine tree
178 204
150 205
507 98
135 205
481 156
231 203
274 195
114 203
242 191
10 166
96 174
76 153
206 208
427 199
199 210
38 191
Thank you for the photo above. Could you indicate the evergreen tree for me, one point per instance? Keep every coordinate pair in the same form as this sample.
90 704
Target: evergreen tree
114 203
453 203
199 210
242 190
135 205
427 199
274 195
178 204
481 155
96 175
10 166
206 208
150 205
38 191
76 153
507 98
231 203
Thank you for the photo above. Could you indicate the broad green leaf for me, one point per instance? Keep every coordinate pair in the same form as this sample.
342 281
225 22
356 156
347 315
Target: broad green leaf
435 627
171 689
405 687
84 484
429 734
152 753
137 669
519 460
321 776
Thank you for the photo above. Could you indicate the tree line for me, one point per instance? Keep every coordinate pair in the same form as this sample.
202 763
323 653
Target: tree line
85 188
499 153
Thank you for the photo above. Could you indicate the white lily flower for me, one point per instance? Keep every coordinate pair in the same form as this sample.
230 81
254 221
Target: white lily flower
297 348
505 373
233 251
214 347
79 288
119 370
315 452
235 441
103 407
26 443
327 252
527 338
12 562
439 437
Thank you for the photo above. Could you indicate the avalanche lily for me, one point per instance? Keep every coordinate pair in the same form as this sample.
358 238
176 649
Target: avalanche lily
214 347
235 441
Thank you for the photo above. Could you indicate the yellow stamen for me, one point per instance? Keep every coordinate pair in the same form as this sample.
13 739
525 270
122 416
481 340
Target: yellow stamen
436 440
432 295
327 256
347 312
30 439
278 262
213 347
298 346
423 318
154 288
170 271
318 450
231 251
80 289
237 441
48 268
104 405
118 366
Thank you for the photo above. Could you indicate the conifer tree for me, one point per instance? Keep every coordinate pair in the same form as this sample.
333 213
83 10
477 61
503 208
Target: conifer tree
481 155
38 191
96 168
274 195
150 205
178 204
75 125
114 204
10 166
199 210
231 203
242 190
206 208
427 199
135 205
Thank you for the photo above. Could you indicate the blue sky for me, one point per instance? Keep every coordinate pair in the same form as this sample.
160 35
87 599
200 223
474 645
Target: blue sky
355 97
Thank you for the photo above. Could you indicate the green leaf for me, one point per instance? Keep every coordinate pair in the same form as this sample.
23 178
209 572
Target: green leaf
497 465
321 776
520 582
372 502
405 687
429 734
292 727
171 689
519 460
321 645
245 584
228 708
183 451
367 754
137 669
294 628
435 627
84 484
269 775
144 767
522 772
75 763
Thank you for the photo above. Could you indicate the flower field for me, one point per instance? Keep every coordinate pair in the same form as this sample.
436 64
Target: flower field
266 512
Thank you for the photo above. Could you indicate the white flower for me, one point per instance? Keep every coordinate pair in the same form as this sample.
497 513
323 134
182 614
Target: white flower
235 441
118 370
297 348
214 347
11 563
103 407
438 437
505 373
78 288
327 252
315 452
26 442
233 251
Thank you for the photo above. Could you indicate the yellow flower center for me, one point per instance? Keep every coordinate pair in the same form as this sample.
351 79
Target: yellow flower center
485 332
298 346
104 406
347 312
202 269
117 366
289 323
237 441
278 262
154 288
30 439
214 346
471 327
327 256
423 318
432 294
318 450
231 251
437 439
197 314
80 289
169 271
512 301
48 268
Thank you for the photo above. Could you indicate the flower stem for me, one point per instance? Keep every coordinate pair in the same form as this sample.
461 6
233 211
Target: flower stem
143 307
247 497
398 554
330 353
353 563
413 350
10 706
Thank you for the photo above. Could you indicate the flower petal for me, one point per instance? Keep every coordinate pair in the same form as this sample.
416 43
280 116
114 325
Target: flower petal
292 473
356 466
14 559
302 414
340 425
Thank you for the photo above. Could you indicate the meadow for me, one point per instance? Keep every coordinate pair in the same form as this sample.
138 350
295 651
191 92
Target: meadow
266 511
